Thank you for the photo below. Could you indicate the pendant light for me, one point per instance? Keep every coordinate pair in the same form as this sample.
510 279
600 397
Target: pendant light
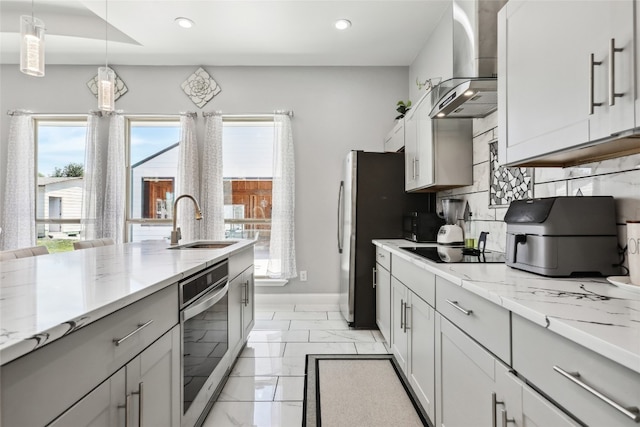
31 45
106 76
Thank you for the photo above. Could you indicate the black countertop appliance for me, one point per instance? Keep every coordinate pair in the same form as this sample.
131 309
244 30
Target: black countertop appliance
563 236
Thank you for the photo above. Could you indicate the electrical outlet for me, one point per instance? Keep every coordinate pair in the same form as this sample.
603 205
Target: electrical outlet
303 276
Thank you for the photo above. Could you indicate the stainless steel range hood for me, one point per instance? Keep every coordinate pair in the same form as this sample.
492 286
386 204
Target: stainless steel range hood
473 90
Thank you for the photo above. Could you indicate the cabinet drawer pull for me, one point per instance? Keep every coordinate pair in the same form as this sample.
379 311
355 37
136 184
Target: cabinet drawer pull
633 413
118 341
612 73
457 307
592 65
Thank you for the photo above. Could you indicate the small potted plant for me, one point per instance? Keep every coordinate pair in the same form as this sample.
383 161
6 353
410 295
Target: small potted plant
403 108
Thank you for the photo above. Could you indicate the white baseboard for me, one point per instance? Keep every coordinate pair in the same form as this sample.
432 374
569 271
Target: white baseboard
273 299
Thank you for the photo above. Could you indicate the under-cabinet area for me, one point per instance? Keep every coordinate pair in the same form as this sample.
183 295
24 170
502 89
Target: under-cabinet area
155 356
487 345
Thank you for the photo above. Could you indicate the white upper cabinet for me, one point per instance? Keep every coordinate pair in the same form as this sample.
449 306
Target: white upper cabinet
566 78
438 153
394 141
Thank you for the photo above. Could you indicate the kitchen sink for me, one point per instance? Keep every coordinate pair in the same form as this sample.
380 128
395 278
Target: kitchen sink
205 244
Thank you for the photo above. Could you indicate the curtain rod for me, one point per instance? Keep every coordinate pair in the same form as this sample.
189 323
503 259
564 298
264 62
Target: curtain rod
214 113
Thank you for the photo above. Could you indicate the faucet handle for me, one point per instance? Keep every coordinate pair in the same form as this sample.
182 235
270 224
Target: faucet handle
179 233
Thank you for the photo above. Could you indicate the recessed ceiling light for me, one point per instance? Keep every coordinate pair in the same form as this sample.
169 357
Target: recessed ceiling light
184 22
343 24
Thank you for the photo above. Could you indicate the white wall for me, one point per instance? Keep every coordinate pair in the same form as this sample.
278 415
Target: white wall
435 60
336 109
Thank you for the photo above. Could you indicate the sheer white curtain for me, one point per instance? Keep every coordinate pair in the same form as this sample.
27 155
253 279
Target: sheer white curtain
104 191
211 185
115 181
282 251
188 180
18 206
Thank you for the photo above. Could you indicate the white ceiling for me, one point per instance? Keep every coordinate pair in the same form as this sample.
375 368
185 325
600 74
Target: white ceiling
226 32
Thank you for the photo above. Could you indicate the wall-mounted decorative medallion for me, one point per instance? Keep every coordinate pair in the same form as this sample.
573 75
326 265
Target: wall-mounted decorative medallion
120 88
505 183
200 87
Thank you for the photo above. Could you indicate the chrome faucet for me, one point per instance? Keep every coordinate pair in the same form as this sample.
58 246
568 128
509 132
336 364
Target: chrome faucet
176 235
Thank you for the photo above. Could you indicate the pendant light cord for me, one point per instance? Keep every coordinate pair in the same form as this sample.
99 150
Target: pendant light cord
32 1
106 33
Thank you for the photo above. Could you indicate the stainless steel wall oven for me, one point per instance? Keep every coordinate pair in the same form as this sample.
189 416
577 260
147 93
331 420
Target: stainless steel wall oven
204 326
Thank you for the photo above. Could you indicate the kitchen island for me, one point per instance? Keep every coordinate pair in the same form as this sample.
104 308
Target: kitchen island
557 335
54 307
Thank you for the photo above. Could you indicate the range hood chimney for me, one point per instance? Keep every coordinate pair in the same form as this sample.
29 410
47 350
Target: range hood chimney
473 90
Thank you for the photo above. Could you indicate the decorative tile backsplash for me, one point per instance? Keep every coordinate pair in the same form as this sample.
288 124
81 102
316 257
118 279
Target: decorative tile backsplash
507 184
619 178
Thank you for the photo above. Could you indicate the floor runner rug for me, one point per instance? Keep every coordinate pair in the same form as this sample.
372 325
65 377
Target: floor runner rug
358 390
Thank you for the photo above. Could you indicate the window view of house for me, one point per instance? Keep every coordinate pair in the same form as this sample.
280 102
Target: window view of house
247 172
248 175
154 167
153 147
60 149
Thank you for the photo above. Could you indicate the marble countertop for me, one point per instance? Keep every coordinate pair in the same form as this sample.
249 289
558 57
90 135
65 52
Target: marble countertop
45 297
589 311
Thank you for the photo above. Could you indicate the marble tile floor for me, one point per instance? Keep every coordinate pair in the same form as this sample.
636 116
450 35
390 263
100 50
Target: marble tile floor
265 387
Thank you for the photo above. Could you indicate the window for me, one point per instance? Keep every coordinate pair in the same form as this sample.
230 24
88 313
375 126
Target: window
248 174
153 158
60 149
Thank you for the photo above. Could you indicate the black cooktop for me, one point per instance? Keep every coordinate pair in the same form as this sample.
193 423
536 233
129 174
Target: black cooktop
456 254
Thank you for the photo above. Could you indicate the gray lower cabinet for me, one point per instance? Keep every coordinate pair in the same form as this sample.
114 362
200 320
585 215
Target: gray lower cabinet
412 342
592 388
64 372
103 407
524 407
241 309
383 301
248 302
153 383
144 393
399 336
466 379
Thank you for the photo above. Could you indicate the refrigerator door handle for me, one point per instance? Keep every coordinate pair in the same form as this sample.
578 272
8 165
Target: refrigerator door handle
340 214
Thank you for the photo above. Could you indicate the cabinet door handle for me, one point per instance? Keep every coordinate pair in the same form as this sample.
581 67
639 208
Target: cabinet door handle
406 326
494 409
592 65
505 420
127 409
118 341
612 72
457 307
417 168
140 394
401 314
375 277
246 293
631 412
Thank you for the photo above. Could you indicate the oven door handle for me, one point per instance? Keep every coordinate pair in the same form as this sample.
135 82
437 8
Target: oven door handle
204 302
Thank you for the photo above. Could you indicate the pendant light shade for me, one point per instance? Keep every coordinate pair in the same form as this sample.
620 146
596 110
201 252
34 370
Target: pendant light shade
31 46
106 88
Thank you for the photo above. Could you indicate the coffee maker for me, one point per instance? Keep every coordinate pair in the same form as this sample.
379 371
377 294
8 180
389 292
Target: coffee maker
451 232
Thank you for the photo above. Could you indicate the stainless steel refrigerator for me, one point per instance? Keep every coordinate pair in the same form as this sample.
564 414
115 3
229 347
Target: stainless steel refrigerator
371 202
